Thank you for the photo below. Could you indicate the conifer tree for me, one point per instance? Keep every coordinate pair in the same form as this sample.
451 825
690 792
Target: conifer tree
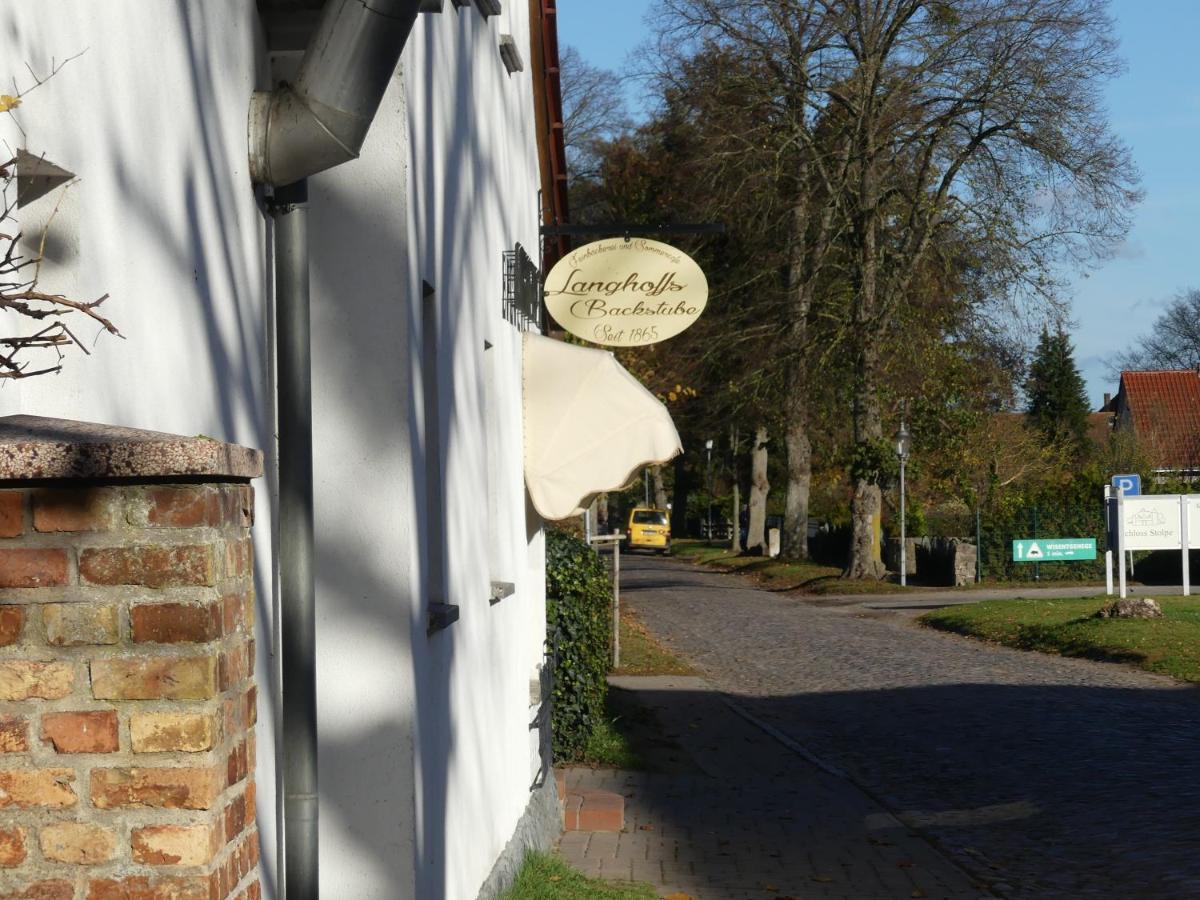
1058 405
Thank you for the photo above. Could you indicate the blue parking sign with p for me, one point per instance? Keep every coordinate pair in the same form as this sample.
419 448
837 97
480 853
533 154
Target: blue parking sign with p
1129 485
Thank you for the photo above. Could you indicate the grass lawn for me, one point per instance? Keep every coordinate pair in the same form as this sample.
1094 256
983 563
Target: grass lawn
628 733
545 877
1168 646
641 654
773 574
610 745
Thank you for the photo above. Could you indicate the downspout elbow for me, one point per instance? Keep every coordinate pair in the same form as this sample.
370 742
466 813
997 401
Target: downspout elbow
322 120
288 141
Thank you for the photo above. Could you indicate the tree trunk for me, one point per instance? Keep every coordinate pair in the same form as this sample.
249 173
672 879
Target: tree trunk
660 492
735 541
866 503
794 539
680 501
756 540
799 470
865 559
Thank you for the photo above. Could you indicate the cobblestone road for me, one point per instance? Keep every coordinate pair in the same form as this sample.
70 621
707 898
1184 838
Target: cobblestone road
1048 777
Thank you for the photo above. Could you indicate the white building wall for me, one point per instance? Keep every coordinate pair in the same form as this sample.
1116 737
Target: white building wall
368 514
426 752
473 186
151 117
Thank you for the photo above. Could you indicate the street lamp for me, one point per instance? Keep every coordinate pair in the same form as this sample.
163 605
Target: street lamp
708 477
902 437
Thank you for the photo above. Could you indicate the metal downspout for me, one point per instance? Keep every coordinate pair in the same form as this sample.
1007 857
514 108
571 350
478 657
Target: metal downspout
289 210
296 131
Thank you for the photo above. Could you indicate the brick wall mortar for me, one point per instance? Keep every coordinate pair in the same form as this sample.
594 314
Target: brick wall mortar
181 638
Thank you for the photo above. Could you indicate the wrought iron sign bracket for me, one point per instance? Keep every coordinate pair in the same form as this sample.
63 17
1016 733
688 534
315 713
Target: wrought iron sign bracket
629 229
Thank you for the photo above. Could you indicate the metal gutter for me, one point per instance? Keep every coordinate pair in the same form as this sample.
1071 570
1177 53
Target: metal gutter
552 154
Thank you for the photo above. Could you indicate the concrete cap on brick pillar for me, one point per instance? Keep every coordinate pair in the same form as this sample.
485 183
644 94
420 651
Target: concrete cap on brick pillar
36 448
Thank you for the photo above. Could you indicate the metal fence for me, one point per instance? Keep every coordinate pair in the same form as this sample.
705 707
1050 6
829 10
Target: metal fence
996 530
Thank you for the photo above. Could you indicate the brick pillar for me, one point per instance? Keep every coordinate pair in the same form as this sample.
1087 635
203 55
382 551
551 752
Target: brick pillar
127 696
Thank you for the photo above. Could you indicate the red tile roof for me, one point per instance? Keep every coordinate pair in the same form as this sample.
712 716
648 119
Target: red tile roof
1164 407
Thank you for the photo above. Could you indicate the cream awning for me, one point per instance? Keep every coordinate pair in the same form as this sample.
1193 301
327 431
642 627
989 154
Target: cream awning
589 426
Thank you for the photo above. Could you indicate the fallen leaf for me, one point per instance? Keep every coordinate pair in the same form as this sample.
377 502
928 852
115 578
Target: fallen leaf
645 828
8 101
917 892
824 879
556 878
905 864
678 897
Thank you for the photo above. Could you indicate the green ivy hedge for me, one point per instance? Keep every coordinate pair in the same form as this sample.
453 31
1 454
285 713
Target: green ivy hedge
579 628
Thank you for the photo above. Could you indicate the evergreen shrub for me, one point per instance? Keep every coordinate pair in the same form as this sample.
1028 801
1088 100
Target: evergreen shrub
579 628
1070 509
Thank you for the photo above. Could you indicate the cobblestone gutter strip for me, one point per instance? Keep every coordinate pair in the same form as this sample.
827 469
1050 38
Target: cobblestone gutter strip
797 748
981 876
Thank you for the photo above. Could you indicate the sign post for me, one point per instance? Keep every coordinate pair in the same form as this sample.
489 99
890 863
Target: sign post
1121 541
613 540
1185 561
1108 540
1129 486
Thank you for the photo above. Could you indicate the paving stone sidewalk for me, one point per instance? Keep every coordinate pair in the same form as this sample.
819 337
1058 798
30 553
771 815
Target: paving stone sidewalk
750 818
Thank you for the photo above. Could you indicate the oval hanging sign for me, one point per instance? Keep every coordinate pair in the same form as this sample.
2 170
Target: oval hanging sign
626 293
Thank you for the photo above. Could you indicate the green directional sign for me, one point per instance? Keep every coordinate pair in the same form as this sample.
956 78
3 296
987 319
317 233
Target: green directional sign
1054 549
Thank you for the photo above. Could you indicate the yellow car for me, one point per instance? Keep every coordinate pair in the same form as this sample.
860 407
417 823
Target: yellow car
649 529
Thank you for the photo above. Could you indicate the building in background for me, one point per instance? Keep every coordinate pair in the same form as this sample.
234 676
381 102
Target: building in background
1161 409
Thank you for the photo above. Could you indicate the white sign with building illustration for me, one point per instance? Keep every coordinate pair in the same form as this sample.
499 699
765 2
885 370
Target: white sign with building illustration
1151 522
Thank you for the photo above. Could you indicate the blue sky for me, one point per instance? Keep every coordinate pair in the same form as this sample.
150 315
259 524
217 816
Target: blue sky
1154 107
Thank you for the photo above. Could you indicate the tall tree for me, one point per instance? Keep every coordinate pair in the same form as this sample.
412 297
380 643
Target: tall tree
721 371
1058 405
593 111
981 121
1174 338
743 68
